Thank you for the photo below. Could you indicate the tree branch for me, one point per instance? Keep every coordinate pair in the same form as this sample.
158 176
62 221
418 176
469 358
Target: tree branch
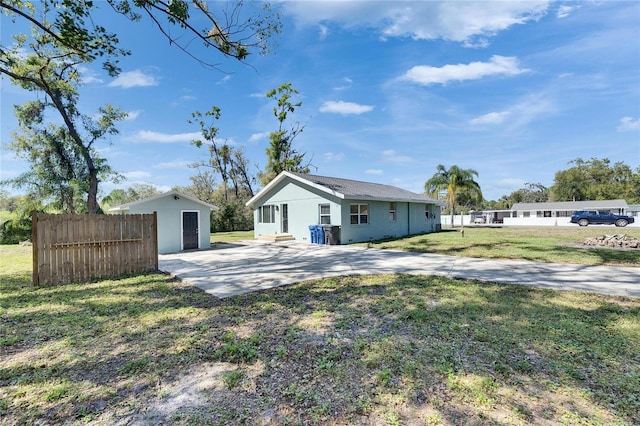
41 26
174 41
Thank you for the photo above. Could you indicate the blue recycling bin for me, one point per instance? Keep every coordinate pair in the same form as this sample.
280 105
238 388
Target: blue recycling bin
314 233
320 234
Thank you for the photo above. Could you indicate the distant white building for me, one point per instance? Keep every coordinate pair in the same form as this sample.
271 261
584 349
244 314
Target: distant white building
547 214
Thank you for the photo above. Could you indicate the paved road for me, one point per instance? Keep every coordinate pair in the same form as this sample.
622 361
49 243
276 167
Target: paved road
231 269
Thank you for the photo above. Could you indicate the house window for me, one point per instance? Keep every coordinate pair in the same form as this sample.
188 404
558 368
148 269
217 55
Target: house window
325 214
392 212
526 214
427 213
267 214
359 214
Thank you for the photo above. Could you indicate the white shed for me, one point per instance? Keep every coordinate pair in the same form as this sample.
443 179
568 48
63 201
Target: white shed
184 222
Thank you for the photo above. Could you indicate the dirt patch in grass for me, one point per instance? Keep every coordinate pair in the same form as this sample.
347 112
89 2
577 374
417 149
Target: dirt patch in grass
389 349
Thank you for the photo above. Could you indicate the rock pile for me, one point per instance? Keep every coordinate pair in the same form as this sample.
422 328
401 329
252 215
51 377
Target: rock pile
617 240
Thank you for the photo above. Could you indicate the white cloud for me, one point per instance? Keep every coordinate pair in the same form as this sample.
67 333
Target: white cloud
132 115
469 22
175 164
182 100
347 84
628 124
491 118
324 31
498 65
376 172
89 76
333 156
256 137
136 175
344 108
135 78
531 108
564 11
392 156
150 136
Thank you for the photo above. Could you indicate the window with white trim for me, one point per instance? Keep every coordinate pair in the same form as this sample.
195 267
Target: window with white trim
359 214
325 214
392 212
267 214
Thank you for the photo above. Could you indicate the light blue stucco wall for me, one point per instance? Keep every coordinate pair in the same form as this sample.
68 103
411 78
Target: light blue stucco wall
411 219
303 207
169 213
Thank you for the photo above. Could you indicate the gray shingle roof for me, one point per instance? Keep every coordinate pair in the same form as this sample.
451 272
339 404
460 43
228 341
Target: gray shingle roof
359 190
347 189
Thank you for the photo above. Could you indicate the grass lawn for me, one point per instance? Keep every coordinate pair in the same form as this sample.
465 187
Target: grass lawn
229 237
539 244
388 349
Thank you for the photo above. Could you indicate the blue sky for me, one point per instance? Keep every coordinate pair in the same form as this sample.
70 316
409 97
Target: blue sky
390 89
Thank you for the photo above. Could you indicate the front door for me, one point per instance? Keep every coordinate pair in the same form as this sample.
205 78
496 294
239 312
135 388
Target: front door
284 208
189 230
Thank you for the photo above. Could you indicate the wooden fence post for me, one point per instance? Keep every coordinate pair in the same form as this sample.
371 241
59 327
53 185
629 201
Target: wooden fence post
155 239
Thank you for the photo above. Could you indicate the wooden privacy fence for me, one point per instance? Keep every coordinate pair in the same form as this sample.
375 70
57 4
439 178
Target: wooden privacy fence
78 248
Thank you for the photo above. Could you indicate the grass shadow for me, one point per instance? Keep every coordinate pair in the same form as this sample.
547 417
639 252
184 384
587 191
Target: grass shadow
338 349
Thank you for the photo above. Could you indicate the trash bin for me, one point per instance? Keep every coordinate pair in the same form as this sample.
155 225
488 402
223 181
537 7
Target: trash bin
332 234
314 234
320 234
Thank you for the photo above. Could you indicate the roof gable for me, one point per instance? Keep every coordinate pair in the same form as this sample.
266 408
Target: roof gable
347 189
163 195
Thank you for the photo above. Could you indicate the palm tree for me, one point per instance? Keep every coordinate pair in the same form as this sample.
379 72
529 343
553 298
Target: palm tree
453 180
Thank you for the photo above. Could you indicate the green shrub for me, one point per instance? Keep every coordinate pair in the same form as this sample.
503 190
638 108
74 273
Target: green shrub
13 231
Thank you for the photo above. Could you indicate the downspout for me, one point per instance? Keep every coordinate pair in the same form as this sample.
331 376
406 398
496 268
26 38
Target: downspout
408 218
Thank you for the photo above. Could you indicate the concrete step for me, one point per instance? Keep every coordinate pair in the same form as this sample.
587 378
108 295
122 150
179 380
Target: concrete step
276 238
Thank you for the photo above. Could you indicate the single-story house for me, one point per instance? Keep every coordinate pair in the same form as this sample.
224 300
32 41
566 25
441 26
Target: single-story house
359 211
634 211
551 213
183 222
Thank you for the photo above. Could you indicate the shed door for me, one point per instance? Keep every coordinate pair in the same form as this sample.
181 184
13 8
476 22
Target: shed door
189 230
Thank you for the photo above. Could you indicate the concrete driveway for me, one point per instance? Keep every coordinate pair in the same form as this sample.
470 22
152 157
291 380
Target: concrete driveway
232 269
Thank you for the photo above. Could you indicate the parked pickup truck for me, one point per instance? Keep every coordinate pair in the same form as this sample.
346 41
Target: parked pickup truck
600 217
